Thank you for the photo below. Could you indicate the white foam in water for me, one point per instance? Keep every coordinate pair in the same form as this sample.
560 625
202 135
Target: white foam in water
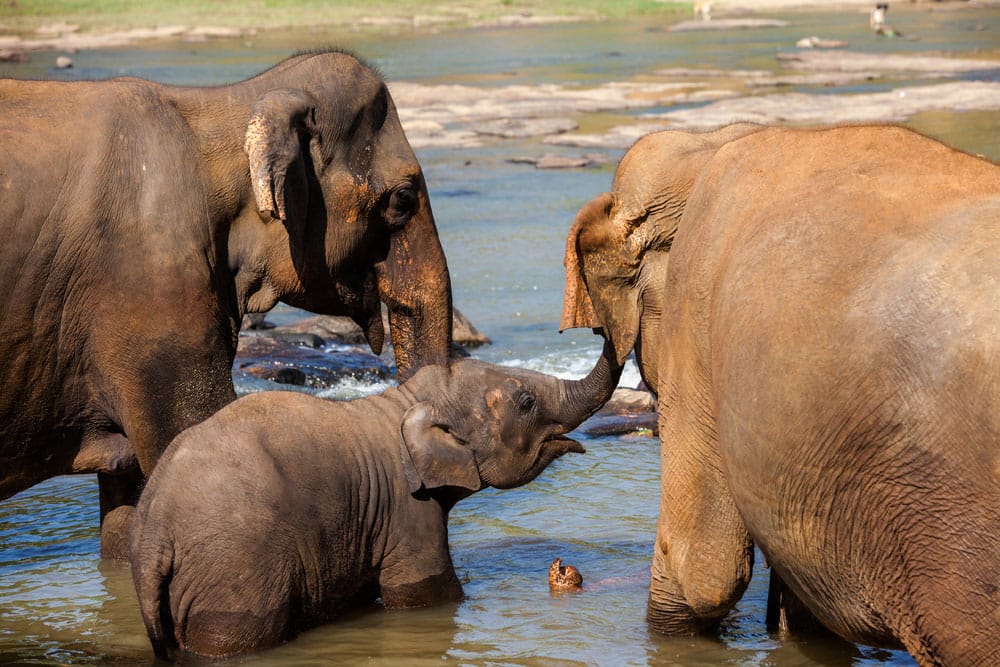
573 366
352 388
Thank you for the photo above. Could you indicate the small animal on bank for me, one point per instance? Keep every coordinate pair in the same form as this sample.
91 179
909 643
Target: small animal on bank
283 509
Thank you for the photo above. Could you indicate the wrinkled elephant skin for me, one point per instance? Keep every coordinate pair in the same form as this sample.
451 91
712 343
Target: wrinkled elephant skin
142 221
250 532
818 313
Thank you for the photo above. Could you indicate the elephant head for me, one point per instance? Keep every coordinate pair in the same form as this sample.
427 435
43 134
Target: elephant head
344 200
497 426
618 246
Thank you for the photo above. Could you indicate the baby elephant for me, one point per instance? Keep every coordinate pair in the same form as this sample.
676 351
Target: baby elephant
283 510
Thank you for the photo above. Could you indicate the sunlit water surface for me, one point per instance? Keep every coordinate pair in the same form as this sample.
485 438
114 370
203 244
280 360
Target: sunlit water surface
503 227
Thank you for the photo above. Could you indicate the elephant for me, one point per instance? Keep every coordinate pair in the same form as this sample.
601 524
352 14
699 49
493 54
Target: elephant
817 311
135 242
284 509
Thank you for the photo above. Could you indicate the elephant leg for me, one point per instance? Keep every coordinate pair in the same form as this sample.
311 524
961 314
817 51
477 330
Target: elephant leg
785 612
703 556
119 494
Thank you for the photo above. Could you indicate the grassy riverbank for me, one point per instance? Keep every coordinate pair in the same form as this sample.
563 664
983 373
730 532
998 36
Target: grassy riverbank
19 16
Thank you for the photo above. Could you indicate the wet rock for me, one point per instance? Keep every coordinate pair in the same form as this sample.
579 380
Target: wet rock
890 106
554 161
11 56
344 329
522 128
526 19
621 136
304 359
628 411
424 133
442 115
815 42
320 351
329 327
727 24
849 61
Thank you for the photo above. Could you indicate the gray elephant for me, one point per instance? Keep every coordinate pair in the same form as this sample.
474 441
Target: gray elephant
283 509
142 221
818 312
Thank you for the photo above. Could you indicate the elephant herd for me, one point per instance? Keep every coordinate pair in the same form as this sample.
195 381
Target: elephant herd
816 310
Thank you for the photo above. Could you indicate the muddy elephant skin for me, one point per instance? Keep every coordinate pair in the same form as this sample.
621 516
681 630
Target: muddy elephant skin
141 221
818 312
283 509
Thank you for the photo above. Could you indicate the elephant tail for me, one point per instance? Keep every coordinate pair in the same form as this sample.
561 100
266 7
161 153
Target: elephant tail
153 574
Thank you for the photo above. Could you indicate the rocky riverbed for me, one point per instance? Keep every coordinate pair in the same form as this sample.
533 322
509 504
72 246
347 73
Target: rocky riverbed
463 116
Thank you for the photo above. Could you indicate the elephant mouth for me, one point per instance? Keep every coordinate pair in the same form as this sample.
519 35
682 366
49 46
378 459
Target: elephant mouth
373 328
367 314
563 445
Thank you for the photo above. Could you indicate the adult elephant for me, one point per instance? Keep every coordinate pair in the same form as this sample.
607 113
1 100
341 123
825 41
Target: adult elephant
142 221
818 311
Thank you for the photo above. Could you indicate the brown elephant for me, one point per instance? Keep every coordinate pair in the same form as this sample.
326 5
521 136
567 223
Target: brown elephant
250 531
818 312
141 221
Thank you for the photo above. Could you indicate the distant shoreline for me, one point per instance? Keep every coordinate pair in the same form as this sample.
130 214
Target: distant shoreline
35 30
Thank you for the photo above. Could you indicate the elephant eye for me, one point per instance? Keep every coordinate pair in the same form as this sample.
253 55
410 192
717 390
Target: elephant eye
402 205
525 402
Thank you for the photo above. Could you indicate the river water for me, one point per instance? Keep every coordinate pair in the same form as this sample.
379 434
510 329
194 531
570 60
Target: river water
503 227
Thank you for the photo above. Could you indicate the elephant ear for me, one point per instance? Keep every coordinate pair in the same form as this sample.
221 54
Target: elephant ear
578 309
273 145
433 457
597 245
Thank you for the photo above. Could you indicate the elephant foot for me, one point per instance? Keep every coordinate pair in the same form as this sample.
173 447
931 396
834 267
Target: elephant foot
564 577
115 533
676 618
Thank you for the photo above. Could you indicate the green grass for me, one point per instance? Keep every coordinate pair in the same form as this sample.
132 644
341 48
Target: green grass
26 15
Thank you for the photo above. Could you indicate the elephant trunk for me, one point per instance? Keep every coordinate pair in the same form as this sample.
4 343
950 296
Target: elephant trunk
582 398
413 282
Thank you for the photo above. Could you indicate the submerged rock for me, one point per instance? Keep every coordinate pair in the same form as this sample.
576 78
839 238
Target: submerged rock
345 330
628 411
305 360
320 351
554 161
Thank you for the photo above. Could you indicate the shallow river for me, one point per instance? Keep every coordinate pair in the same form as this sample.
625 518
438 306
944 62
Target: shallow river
502 226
